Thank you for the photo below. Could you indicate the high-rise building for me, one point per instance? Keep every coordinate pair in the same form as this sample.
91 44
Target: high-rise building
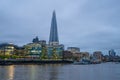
55 50
112 53
53 39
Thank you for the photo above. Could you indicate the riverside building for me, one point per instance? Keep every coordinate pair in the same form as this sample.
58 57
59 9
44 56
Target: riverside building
7 48
35 49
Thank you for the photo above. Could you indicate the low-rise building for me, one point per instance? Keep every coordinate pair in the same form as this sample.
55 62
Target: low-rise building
33 50
73 49
36 49
98 55
55 51
20 51
85 55
7 48
67 55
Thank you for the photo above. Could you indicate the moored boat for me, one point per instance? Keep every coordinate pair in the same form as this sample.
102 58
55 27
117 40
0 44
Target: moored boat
82 62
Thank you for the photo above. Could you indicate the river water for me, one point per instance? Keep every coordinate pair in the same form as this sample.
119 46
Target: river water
104 71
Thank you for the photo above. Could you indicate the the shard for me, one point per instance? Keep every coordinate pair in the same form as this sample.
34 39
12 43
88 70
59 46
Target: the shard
53 39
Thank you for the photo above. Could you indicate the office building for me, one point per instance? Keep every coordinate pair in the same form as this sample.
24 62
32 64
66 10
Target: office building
55 49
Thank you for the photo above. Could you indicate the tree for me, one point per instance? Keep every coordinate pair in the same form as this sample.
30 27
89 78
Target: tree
54 53
43 54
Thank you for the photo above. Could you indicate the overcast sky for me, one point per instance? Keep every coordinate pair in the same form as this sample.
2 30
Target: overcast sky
87 24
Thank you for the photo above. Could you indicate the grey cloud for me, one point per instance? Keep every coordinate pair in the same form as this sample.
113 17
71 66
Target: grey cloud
88 24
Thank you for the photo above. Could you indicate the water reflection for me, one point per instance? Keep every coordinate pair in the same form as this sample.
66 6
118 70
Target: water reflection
46 72
7 72
33 72
106 71
53 71
11 72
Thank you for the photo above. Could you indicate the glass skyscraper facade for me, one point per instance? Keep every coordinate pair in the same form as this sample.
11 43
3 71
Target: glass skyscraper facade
54 48
53 38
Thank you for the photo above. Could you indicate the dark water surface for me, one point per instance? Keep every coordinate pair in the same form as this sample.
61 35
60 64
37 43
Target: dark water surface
104 71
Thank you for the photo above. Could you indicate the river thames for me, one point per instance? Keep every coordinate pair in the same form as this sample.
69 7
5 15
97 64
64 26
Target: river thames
103 71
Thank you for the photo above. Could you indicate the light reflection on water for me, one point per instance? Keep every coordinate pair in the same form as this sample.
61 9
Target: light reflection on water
104 71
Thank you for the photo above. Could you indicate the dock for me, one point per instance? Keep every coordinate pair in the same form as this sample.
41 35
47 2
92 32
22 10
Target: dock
34 61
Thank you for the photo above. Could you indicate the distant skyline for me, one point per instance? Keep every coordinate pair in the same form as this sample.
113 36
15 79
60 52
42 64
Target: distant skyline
88 24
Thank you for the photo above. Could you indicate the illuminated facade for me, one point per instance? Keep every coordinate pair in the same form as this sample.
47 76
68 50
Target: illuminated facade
55 52
36 49
7 48
33 50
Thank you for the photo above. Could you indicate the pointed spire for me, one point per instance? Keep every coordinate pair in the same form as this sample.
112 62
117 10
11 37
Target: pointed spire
53 39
